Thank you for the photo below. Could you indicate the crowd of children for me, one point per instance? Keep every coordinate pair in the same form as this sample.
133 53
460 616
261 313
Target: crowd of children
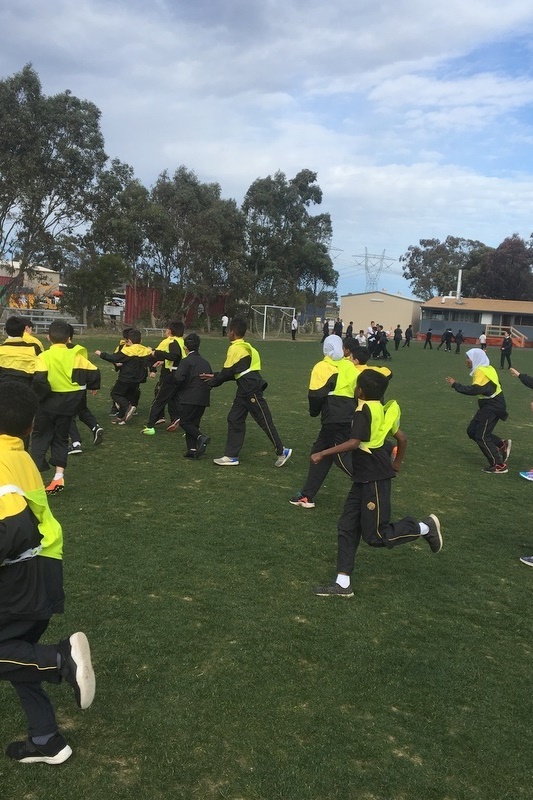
43 391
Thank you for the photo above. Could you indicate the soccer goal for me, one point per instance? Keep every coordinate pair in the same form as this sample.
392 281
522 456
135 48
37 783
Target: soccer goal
273 321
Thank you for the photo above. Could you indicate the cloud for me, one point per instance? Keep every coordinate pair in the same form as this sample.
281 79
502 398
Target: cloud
416 116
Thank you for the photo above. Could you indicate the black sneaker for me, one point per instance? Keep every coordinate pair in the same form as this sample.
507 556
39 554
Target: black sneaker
496 469
335 590
434 537
98 435
202 443
76 667
55 751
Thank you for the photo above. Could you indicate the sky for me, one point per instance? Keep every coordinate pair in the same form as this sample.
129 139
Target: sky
417 117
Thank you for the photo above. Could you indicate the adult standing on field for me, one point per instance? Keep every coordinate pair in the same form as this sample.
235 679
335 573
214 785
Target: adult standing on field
408 336
325 331
294 328
397 336
224 321
506 349
428 339
459 339
483 341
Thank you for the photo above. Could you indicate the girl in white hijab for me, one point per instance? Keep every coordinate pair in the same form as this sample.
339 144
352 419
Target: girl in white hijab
491 408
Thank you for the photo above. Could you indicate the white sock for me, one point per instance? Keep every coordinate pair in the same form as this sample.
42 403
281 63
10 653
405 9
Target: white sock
343 580
424 529
58 475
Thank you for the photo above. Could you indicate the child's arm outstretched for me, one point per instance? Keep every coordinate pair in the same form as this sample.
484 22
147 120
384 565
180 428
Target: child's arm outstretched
345 447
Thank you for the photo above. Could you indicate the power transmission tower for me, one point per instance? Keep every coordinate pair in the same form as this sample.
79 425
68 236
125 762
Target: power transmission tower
373 265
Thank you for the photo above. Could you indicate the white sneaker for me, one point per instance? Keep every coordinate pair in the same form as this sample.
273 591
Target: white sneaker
226 461
284 457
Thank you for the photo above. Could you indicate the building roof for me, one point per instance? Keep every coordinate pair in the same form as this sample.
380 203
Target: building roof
383 294
480 304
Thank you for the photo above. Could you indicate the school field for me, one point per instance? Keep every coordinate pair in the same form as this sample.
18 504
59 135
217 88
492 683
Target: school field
220 676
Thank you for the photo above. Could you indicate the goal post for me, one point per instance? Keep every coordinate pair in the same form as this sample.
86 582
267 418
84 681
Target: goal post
273 321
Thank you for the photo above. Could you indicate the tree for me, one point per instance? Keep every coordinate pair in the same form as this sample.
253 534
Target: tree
506 272
51 153
90 279
195 239
432 266
287 247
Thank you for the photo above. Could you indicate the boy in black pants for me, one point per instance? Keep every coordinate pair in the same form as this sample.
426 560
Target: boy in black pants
31 589
133 360
243 365
367 510
193 396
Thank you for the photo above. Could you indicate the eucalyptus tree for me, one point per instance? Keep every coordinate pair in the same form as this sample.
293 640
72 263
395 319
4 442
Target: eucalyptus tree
286 246
51 155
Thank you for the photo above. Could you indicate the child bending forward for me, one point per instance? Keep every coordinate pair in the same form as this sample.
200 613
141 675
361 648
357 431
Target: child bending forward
367 510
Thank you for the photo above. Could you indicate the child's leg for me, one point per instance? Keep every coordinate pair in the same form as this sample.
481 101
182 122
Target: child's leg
261 414
59 446
349 530
480 431
236 427
376 528
41 438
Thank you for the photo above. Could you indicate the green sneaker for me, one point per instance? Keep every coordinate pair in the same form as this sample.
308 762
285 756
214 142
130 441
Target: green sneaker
148 431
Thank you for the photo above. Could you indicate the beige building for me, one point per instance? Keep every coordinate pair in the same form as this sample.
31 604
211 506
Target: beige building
383 308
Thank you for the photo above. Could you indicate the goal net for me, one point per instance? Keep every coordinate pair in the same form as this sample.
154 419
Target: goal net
272 321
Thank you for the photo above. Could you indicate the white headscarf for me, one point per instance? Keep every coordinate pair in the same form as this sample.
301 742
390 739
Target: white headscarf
333 347
478 357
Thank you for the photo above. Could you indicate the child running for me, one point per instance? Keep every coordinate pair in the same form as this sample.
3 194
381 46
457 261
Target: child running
491 408
31 590
243 365
367 510
133 363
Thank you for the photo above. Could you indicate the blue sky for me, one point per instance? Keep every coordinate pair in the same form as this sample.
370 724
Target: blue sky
417 117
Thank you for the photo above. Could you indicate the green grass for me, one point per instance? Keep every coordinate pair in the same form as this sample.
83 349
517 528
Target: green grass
220 675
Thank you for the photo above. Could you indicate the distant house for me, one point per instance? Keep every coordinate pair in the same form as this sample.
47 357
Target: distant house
475 315
383 308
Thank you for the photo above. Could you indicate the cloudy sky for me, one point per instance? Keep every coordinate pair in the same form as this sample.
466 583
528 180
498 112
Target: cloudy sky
417 116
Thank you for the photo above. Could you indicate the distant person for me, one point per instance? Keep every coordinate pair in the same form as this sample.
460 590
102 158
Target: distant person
459 339
506 350
448 338
294 328
349 331
442 340
491 408
397 336
483 341
325 331
224 322
428 339
361 338
408 336
132 361
337 327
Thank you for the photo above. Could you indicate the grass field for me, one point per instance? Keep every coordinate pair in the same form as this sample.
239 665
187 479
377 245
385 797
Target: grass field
220 675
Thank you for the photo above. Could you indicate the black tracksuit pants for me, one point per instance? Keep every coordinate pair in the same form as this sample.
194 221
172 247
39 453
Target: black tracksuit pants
190 417
165 394
255 405
86 416
366 516
26 663
329 436
480 430
50 431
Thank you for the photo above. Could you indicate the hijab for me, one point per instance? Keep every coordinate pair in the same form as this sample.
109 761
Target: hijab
478 357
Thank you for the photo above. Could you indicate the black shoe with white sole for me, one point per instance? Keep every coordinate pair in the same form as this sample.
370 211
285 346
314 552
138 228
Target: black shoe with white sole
55 751
76 667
